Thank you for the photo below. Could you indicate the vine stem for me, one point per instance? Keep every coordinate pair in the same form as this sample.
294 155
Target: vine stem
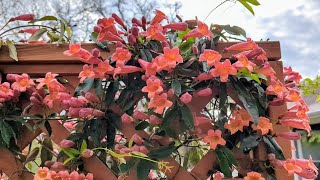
5 25
32 25
215 9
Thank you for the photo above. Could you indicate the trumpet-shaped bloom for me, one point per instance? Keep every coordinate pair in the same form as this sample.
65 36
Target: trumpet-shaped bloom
223 69
121 56
22 82
210 56
160 102
103 68
234 125
204 92
289 135
155 32
266 70
5 90
49 80
293 96
42 173
291 167
74 49
242 115
264 125
178 26
106 35
87 72
158 17
214 138
276 88
126 70
243 46
253 176
150 68
200 31
172 56
243 62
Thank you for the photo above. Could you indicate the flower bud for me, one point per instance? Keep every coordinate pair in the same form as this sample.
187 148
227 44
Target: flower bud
137 22
67 144
12 77
125 118
164 44
135 31
186 98
154 120
34 100
119 20
95 52
132 39
58 166
195 49
137 139
289 135
97 29
144 22
92 97
204 92
87 153
85 112
139 115
73 112
97 113
24 17
170 93
271 157
178 26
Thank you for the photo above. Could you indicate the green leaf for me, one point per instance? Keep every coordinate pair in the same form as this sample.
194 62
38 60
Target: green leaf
187 117
246 5
142 125
32 155
271 177
111 92
223 95
45 18
254 2
162 152
73 151
169 116
318 98
35 36
274 147
85 86
46 151
97 84
128 165
247 99
143 169
48 127
229 154
250 142
12 50
146 55
68 160
83 146
176 86
62 30
6 132
68 153
224 164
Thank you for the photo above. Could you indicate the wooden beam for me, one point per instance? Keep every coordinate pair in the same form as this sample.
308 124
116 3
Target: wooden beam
53 54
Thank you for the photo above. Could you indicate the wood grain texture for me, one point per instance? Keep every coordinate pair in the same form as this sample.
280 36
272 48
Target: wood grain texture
53 54
275 112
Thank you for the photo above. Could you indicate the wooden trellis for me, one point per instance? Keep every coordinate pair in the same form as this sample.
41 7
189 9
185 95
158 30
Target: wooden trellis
37 60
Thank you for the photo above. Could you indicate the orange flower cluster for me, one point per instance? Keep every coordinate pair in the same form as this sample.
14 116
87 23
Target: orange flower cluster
46 174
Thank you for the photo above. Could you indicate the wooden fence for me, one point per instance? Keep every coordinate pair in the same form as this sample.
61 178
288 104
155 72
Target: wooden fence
36 60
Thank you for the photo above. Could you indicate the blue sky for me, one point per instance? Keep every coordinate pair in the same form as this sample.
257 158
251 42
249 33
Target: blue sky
292 22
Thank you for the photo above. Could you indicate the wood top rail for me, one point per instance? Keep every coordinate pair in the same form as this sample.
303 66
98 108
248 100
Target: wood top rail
53 54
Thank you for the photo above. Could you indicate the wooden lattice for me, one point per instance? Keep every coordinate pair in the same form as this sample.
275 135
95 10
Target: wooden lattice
36 60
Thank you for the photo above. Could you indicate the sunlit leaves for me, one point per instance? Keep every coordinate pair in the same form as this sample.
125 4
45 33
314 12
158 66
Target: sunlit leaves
248 4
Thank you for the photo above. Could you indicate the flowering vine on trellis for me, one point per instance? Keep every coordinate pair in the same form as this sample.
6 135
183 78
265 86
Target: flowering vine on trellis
152 81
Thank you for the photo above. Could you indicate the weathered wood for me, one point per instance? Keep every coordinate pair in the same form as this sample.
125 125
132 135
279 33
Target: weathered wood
275 112
12 166
53 54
